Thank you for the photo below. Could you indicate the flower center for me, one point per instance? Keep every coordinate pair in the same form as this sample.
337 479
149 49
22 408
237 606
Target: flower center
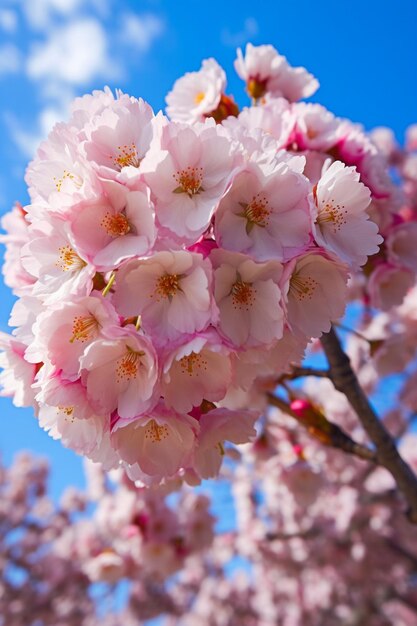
76 180
333 215
167 286
302 287
83 328
67 411
256 212
243 294
127 366
192 362
127 155
199 97
154 432
115 225
256 87
69 260
189 181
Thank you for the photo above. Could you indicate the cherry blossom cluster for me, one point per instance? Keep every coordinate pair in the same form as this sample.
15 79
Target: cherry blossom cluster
37 586
165 264
133 533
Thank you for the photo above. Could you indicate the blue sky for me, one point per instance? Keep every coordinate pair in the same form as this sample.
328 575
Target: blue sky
363 53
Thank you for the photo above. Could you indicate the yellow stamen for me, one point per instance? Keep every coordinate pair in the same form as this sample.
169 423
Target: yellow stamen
256 212
115 225
127 366
127 155
243 294
154 432
84 328
189 181
167 286
332 214
76 180
302 287
192 363
69 260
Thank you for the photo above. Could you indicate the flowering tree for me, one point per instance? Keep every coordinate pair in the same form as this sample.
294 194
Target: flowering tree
171 273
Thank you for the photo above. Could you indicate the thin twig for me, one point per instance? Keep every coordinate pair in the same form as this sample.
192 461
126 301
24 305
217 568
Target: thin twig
333 436
298 372
345 381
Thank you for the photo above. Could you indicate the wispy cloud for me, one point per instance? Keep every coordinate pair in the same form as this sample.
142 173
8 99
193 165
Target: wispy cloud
74 54
239 38
140 31
72 45
8 20
41 14
10 59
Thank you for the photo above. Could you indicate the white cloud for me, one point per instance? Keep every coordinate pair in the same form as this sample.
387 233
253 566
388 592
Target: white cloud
43 14
140 31
234 40
40 13
8 20
74 54
10 59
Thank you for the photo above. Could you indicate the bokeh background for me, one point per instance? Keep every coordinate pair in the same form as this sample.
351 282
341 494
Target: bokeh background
364 53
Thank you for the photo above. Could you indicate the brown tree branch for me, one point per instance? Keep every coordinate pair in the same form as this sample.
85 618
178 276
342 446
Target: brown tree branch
332 436
345 381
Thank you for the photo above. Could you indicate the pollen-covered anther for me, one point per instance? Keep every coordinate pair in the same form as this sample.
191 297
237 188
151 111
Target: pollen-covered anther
243 295
256 212
67 411
193 363
115 225
256 87
69 260
84 328
67 176
154 432
189 181
167 286
127 155
303 287
128 365
332 214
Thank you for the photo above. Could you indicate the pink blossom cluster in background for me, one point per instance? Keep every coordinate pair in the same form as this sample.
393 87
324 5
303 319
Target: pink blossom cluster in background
166 267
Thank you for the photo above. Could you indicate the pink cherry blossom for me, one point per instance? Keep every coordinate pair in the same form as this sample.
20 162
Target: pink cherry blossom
388 285
119 136
158 443
341 222
121 372
315 294
64 330
53 259
18 375
188 175
316 127
248 298
171 291
265 216
196 94
265 71
115 227
198 370
216 427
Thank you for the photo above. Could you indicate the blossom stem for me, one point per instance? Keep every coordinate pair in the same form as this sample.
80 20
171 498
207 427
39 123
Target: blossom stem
345 381
109 284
